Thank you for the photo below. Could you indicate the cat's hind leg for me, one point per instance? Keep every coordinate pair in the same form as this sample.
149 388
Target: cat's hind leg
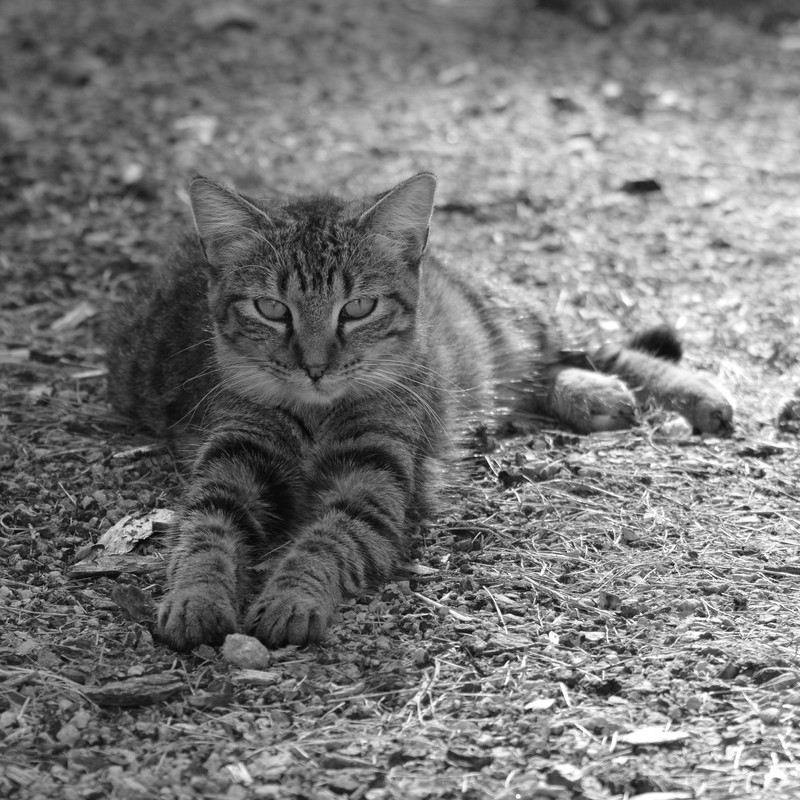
696 397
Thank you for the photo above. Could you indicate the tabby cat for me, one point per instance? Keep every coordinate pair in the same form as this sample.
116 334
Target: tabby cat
322 361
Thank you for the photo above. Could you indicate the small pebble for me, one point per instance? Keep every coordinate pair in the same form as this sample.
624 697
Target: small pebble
81 719
68 734
245 651
421 657
8 719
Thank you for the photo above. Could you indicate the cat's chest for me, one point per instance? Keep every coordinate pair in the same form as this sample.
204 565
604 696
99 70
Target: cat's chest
317 422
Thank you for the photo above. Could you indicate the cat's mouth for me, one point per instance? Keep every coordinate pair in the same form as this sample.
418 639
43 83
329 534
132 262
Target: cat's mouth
320 391
282 388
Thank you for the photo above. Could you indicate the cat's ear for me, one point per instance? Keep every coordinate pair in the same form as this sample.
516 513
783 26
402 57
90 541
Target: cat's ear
225 220
403 214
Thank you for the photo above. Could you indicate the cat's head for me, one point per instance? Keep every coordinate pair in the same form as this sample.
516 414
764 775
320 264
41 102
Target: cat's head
314 300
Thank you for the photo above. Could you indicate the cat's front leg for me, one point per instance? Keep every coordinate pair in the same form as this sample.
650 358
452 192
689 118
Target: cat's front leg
362 491
202 604
239 498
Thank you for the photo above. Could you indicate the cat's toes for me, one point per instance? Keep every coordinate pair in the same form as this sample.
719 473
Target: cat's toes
712 415
201 614
611 407
787 416
591 401
279 618
617 418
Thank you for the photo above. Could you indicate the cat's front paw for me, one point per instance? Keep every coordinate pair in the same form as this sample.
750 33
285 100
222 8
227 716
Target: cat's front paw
288 617
201 614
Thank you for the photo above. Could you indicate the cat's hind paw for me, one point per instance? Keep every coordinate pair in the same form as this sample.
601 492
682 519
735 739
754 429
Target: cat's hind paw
712 415
591 402
201 614
787 416
705 405
288 617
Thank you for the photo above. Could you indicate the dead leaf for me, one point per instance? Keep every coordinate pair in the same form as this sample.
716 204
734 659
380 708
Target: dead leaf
124 535
652 735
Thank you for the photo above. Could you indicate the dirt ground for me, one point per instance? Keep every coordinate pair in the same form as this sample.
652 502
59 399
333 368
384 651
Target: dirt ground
611 616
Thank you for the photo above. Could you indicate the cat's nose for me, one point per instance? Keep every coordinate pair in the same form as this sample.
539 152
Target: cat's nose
315 371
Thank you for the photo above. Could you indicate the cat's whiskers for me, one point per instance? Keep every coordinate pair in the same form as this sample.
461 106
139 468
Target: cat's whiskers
454 388
399 388
199 343
233 382
208 396
419 366
209 370
464 398
392 394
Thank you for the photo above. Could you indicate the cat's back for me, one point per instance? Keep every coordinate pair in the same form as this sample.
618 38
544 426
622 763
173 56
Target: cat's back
477 339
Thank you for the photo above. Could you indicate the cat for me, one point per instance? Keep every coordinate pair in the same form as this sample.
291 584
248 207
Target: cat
320 360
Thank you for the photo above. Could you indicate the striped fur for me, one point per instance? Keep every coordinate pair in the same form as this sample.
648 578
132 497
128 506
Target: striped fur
322 362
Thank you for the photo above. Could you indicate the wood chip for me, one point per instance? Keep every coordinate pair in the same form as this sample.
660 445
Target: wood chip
142 690
109 566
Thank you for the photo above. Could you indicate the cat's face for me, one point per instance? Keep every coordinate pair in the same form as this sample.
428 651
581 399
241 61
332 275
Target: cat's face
314 301
310 329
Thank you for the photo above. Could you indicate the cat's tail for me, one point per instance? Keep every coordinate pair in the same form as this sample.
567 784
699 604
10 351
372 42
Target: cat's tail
660 341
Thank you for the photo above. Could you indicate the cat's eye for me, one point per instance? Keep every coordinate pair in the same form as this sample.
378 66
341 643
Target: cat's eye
272 310
359 308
